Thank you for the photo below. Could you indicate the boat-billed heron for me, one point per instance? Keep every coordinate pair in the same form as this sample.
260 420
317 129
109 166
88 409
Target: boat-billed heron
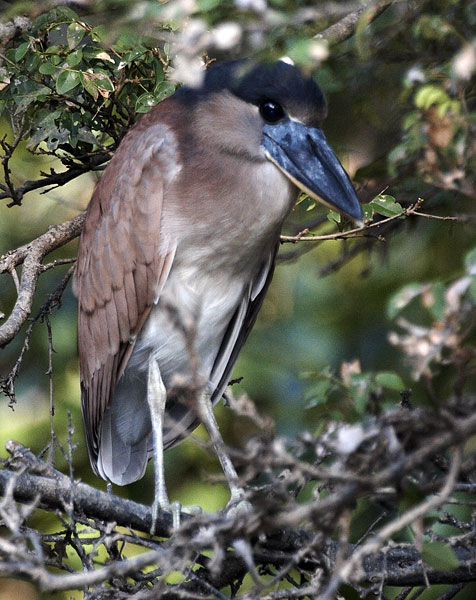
178 250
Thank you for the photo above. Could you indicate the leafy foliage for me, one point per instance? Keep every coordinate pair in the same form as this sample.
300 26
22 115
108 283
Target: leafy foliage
439 127
74 92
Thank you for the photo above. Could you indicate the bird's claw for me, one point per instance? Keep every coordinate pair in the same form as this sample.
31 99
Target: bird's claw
238 505
175 508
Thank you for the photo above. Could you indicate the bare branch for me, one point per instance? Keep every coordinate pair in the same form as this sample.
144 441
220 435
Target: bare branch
346 27
8 150
57 263
31 255
7 383
291 547
52 489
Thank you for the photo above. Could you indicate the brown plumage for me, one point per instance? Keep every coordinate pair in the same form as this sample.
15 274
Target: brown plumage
118 267
183 228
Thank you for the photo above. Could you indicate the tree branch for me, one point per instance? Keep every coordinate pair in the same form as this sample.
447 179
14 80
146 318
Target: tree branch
274 532
351 233
50 489
346 27
31 255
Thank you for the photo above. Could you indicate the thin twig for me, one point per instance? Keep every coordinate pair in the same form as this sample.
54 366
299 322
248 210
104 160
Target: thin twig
7 383
353 233
411 210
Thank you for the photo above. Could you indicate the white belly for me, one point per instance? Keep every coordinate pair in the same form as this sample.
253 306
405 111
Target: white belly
185 329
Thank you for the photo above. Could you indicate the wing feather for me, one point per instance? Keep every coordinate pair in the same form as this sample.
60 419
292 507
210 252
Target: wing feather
120 263
112 326
240 326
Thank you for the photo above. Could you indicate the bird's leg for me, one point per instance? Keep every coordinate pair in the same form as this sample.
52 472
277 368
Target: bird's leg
157 398
237 498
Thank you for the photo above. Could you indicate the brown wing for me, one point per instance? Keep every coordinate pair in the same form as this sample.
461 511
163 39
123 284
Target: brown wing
122 264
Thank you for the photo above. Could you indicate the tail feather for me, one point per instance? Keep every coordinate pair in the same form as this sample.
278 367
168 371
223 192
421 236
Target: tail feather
126 434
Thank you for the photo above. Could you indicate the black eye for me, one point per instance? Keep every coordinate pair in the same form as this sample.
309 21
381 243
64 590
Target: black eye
271 112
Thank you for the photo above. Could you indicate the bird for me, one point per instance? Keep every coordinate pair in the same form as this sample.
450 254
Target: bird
178 250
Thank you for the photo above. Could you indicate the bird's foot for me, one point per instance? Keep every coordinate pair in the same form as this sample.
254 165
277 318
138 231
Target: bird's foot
238 504
175 508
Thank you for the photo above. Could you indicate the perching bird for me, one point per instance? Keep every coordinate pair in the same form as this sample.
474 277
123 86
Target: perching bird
178 250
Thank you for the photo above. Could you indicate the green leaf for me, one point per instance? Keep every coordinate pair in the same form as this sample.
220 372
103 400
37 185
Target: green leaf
66 12
74 58
158 71
390 380
98 33
410 119
47 68
60 136
440 556
90 85
164 90
54 50
103 83
31 62
74 34
133 55
127 40
386 205
311 206
24 100
431 518
145 102
46 117
41 134
334 217
21 51
360 387
449 105
402 298
411 495
368 211
40 22
85 135
428 95
103 80
319 392
67 80
10 54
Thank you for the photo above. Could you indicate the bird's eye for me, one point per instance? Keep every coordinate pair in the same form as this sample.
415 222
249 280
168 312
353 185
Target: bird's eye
271 112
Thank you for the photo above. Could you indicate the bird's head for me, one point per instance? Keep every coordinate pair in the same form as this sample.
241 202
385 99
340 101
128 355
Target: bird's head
273 112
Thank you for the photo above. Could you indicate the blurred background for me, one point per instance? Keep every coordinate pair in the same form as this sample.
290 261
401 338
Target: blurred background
329 302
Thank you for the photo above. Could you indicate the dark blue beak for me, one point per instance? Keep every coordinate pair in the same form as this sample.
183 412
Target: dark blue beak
304 155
